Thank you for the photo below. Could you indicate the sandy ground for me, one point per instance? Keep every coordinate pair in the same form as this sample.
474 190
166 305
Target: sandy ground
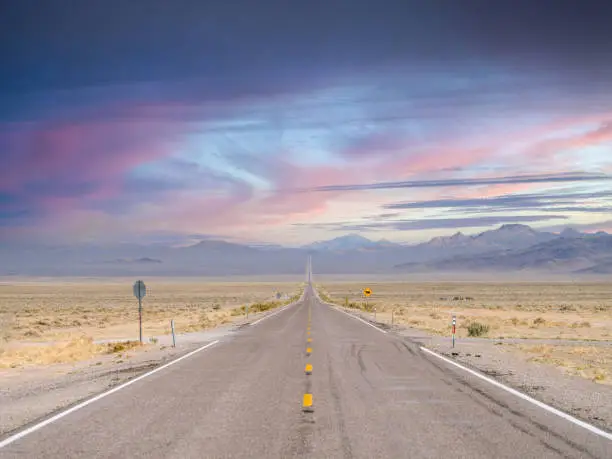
511 310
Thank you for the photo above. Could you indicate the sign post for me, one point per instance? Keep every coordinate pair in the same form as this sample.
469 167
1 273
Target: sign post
367 292
140 290
454 328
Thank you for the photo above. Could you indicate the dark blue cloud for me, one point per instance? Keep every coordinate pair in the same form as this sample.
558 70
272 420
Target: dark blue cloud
14 211
71 43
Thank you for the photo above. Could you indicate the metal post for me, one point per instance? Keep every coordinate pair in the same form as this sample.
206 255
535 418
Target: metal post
173 335
140 318
454 324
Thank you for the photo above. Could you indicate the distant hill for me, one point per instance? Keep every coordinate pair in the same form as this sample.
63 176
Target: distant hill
144 260
347 243
584 254
505 249
506 237
605 267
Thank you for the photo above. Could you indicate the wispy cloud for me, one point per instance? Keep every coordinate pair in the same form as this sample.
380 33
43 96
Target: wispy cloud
566 177
435 223
555 202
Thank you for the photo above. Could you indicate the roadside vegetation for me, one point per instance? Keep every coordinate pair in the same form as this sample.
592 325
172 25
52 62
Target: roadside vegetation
591 362
46 323
571 311
77 349
361 305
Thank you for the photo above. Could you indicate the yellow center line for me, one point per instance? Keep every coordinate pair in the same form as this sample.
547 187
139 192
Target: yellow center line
308 368
307 403
308 350
309 340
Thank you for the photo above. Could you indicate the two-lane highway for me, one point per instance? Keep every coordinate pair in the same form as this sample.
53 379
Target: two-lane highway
373 395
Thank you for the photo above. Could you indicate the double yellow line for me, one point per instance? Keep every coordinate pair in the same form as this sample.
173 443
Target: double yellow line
307 401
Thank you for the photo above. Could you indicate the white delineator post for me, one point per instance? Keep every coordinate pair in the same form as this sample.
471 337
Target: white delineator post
454 328
173 335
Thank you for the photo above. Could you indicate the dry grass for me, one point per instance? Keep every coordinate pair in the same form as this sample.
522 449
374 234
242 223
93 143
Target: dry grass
82 348
53 322
511 310
590 362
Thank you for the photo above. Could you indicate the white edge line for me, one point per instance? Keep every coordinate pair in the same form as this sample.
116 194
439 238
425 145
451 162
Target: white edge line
59 416
542 405
355 317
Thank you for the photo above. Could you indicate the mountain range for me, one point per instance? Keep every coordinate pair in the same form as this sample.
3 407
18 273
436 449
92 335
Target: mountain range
509 248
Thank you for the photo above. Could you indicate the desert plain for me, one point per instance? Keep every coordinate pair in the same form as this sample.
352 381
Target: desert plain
48 321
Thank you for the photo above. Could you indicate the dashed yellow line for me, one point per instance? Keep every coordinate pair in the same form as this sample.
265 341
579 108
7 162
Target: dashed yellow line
307 403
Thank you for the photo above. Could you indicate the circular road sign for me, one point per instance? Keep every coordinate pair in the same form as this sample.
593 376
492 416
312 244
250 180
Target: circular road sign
140 290
367 291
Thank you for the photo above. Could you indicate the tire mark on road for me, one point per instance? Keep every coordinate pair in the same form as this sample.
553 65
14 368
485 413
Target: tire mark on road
344 439
362 366
473 390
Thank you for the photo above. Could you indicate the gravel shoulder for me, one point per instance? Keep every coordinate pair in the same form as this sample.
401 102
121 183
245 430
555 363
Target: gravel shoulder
503 360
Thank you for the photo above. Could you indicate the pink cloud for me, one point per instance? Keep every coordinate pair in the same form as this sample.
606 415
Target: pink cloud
84 150
549 147
53 168
408 159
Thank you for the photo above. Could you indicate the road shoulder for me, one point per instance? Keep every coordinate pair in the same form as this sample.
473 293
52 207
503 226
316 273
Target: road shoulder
502 361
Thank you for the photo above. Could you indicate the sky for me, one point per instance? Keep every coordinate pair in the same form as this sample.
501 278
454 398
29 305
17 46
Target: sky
287 122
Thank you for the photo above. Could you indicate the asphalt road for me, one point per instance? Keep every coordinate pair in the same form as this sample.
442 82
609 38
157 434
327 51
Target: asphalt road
374 395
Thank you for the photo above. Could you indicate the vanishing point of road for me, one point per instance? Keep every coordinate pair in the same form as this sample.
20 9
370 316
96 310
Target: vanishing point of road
309 381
